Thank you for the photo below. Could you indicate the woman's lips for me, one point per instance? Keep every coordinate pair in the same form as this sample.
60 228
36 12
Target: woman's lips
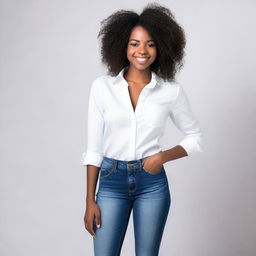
141 60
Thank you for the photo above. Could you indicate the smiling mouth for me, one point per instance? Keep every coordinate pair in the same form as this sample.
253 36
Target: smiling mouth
142 59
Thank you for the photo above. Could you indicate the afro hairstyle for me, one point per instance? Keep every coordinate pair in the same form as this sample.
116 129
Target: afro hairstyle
158 20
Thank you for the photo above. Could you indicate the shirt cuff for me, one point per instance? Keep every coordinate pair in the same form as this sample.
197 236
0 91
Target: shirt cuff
192 144
91 158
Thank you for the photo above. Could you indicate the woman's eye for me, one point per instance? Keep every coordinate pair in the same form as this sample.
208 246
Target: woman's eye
150 45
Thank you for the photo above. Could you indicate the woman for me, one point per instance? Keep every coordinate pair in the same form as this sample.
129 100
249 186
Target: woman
128 110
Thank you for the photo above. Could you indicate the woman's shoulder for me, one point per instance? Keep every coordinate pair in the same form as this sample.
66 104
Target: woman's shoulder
165 82
172 87
102 79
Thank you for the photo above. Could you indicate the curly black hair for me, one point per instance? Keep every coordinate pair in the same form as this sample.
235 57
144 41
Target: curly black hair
163 28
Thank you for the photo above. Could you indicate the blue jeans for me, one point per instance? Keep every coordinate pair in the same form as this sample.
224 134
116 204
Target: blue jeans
123 186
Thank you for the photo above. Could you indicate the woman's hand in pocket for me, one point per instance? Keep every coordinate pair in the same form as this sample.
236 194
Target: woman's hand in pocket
153 163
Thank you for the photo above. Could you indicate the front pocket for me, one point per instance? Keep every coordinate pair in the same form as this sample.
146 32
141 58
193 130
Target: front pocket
153 173
105 172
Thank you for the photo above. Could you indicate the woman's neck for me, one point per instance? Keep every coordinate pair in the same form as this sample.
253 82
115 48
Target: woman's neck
138 76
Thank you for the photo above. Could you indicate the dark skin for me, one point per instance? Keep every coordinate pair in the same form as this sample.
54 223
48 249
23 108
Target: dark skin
137 76
92 211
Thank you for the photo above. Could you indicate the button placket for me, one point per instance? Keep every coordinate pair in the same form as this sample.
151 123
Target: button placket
134 113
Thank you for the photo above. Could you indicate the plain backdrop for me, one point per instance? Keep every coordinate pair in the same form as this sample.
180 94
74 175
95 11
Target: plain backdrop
49 57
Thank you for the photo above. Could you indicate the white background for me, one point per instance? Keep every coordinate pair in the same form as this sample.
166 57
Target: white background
49 57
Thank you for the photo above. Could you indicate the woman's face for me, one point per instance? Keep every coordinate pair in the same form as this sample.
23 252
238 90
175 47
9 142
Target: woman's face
141 49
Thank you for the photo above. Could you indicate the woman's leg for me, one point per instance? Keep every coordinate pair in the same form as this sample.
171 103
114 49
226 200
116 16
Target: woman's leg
115 207
115 213
150 211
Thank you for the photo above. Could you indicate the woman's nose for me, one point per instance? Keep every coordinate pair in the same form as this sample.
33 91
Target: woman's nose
142 49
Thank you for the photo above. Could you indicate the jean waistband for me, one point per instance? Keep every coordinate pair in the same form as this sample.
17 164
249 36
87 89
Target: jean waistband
123 163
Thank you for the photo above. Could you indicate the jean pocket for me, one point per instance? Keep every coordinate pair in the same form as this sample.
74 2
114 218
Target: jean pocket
153 173
105 172
106 169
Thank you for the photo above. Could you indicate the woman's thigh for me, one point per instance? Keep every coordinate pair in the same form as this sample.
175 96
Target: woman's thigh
150 211
115 213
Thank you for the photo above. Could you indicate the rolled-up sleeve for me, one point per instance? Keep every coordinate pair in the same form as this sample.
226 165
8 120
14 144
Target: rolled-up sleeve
184 119
93 154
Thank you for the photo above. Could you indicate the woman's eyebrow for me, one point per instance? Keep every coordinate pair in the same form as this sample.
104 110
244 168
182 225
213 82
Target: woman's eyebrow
139 40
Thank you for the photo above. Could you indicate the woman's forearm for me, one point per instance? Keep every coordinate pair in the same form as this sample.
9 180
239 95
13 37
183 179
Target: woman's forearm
92 178
173 153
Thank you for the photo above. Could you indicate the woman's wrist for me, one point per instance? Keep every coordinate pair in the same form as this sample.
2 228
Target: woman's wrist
172 154
90 199
162 156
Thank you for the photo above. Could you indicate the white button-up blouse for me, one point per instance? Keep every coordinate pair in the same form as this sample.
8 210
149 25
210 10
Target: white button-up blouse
117 131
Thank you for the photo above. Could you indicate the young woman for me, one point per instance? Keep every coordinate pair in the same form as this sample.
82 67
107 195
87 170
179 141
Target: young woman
128 110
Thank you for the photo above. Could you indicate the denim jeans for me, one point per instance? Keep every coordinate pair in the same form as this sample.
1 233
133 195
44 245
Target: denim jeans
123 186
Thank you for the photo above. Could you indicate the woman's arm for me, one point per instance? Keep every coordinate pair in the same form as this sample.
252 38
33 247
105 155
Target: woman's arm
184 119
92 211
94 152
93 156
92 179
172 154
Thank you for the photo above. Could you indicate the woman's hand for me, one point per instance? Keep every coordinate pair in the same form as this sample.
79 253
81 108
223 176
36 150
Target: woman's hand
92 211
153 163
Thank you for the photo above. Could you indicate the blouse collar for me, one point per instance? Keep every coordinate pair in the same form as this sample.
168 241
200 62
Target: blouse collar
120 78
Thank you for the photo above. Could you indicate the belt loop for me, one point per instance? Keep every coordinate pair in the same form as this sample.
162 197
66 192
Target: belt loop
114 165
